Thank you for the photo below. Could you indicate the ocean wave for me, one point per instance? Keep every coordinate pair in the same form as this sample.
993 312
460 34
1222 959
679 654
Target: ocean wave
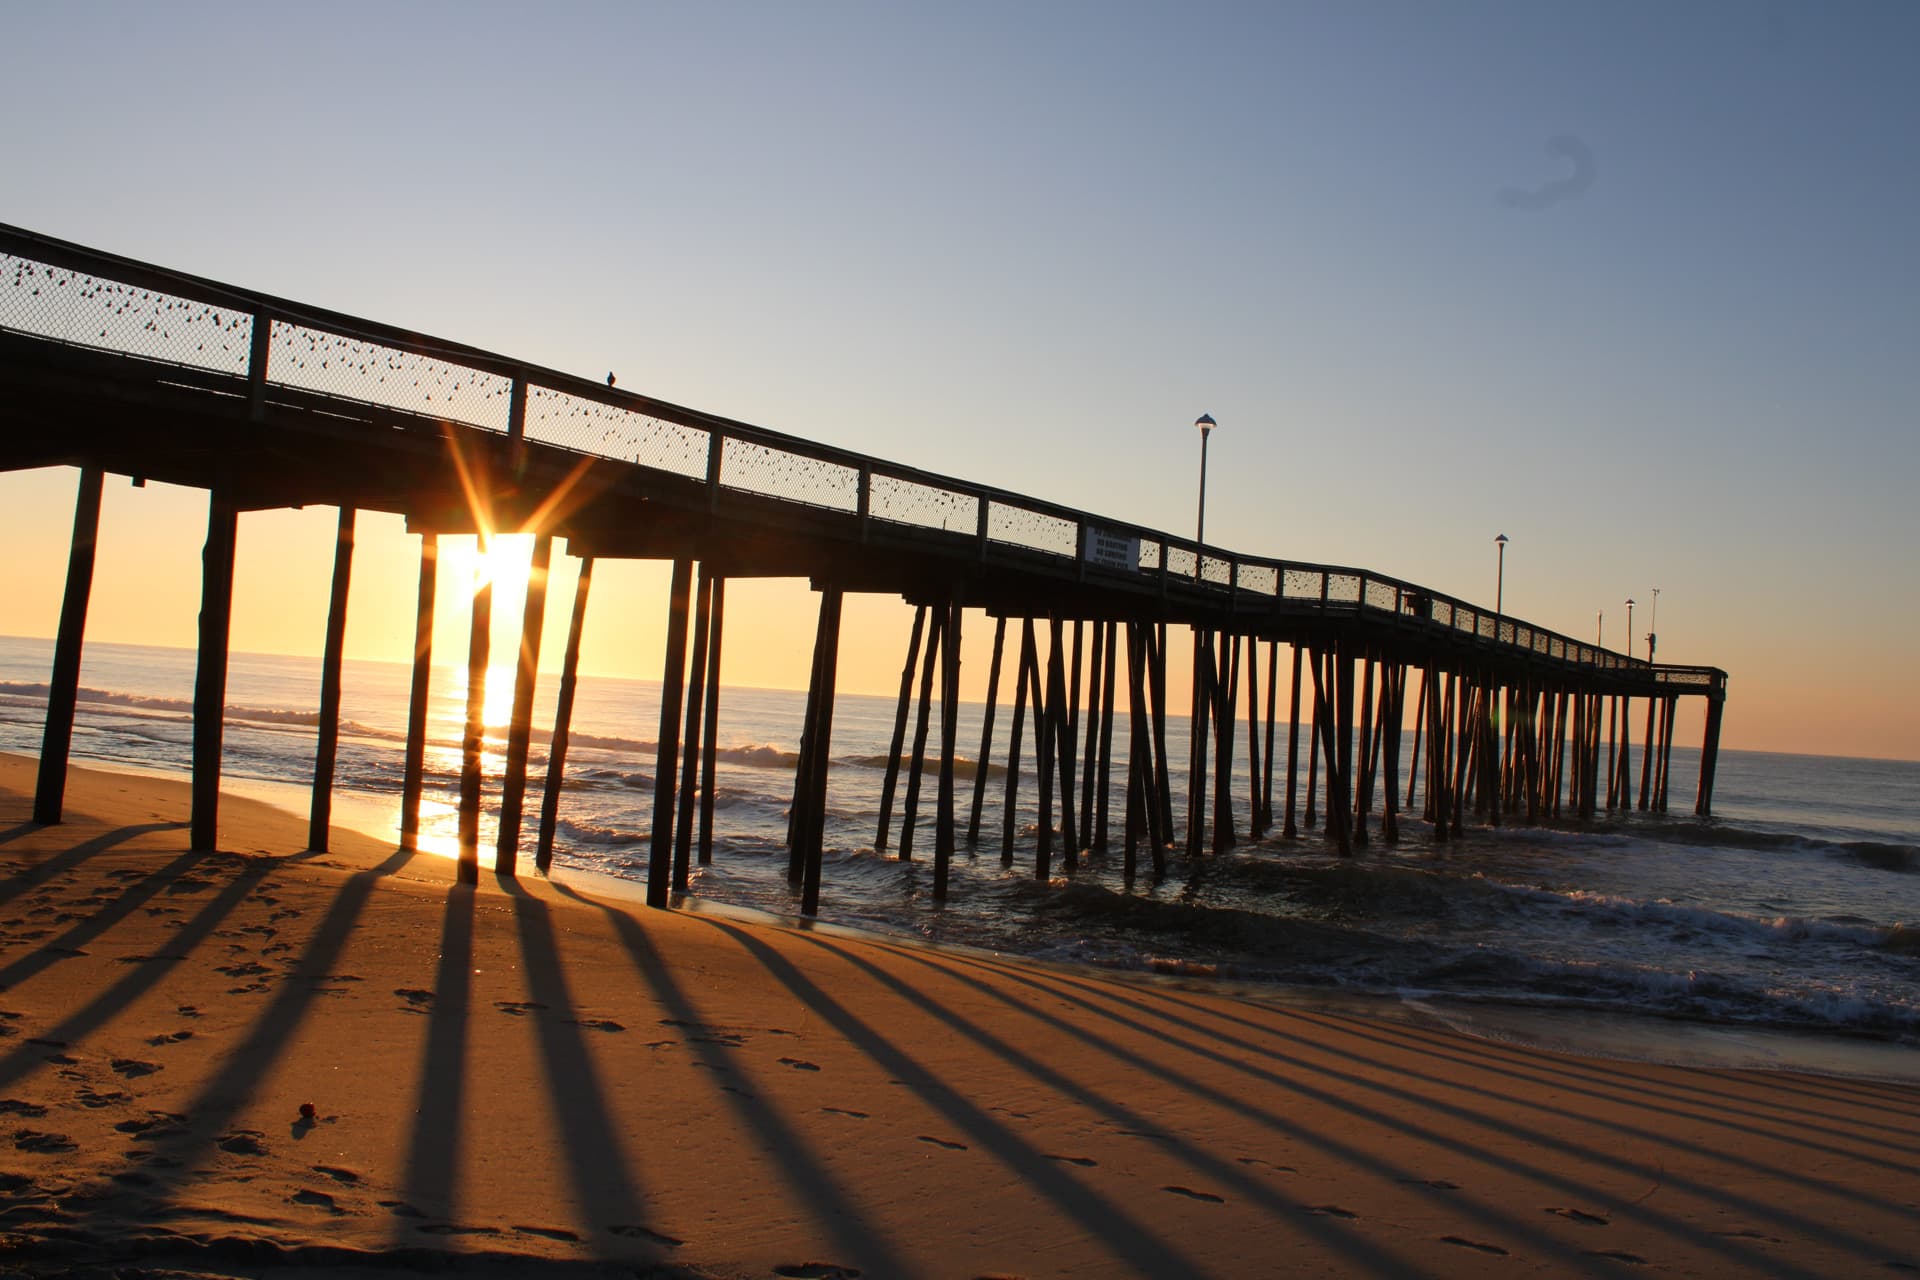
962 767
1903 858
578 833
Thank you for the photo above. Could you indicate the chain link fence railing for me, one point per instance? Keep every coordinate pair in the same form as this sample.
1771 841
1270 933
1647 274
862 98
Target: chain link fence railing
374 373
95 311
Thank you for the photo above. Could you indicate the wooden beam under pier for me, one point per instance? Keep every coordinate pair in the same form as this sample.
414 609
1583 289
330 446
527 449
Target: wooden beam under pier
63 685
562 720
327 736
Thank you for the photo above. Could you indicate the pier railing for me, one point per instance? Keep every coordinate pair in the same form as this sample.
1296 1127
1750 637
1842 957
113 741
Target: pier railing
263 348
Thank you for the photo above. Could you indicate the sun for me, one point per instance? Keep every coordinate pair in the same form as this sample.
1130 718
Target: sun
500 561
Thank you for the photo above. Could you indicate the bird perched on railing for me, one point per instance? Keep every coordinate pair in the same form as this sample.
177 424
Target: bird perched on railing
609 379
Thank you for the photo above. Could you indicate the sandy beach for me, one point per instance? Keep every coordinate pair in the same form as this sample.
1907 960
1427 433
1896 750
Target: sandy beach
269 1061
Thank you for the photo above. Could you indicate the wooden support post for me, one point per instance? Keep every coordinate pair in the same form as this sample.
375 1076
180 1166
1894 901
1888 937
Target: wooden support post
1460 738
798 810
1197 741
710 734
513 782
1010 817
1363 789
982 763
327 739
827 667
1072 763
899 730
1394 697
1557 773
1288 829
1156 637
1440 756
210 673
1226 692
1325 718
1419 724
1256 821
63 686
1061 733
1646 756
1090 749
1045 744
695 731
673 679
416 755
916 767
1273 694
943 822
1313 743
562 721
1668 707
473 734
1104 776
1340 792
1139 760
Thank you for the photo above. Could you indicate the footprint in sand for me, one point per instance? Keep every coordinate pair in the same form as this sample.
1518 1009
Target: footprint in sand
400 1209
1580 1216
317 1200
1465 1243
336 1173
1085 1162
133 1068
548 1233
646 1233
1205 1196
1258 1163
16 1107
1332 1211
455 1229
799 1064
943 1144
244 1142
817 1271
842 1111
596 1024
169 1037
1438 1184
42 1143
151 1120
1634 1259
518 1008
93 1099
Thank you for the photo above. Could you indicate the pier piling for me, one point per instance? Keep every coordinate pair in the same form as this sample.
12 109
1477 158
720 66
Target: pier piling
63 686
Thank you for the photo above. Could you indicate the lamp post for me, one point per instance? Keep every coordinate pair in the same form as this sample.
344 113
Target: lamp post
1599 628
1629 626
1206 424
1500 579
1653 620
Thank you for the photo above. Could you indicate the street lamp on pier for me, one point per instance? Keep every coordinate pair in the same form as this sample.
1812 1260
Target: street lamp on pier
1206 424
1500 577
1653 620
1629 626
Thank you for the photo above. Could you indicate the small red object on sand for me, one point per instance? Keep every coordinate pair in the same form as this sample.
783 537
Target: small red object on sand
308 1112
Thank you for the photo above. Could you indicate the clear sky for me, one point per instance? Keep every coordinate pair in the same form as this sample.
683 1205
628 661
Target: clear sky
1632 283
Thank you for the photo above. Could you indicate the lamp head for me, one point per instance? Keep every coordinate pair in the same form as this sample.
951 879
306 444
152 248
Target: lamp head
1205 422
1500 538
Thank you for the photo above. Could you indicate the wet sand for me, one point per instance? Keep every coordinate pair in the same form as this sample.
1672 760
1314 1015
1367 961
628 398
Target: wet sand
269 1061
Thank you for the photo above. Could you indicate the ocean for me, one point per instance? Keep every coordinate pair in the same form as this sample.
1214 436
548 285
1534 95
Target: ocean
1783 931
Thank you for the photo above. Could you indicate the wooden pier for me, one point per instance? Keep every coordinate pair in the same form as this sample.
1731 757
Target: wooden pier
115 366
